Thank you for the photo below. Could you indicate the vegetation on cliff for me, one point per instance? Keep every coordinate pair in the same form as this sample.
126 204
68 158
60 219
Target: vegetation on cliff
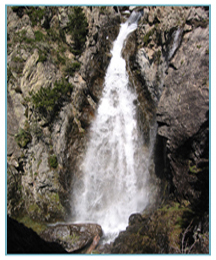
77 28
48 101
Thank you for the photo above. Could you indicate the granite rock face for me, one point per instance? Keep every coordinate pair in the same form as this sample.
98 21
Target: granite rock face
183 109
44 157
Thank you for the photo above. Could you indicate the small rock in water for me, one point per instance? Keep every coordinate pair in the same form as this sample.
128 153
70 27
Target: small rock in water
135 219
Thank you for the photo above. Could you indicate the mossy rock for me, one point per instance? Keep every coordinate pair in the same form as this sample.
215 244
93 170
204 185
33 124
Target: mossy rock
53 162
158 233
39 36
38 227
34 209
147 37
193 168
36 14
23 138
48 208
73 237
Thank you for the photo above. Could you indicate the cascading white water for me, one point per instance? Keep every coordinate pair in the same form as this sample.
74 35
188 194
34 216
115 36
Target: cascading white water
177 35
115 167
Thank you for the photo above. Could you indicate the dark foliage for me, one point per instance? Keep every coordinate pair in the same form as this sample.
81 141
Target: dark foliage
23 138
77 27
48 101
53 161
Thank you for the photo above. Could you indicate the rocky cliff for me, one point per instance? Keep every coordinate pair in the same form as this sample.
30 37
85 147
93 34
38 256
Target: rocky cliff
171 60
53 88
46 138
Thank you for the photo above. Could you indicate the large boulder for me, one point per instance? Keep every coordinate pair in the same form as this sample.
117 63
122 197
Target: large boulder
73 237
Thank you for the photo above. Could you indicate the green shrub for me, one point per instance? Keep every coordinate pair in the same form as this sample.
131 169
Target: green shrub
9 74
147 37
60 59
39 36
17 65
19 10
53 162
53 35
71 68
35 14
23 138
42 56
157 57
48 101
62 35
15 8
78 28
102 10
193 169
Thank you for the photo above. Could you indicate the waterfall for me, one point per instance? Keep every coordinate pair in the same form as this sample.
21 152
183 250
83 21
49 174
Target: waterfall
115 167
176 40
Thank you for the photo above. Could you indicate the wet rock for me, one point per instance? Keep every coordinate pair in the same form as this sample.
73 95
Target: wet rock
135 218
161 232
103 249
73 237
168 72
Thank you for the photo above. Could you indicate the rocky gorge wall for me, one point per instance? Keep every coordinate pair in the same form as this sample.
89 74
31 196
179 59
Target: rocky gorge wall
168 64
44 153
172 63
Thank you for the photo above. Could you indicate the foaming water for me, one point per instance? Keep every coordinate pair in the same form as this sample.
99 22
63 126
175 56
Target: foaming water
115 167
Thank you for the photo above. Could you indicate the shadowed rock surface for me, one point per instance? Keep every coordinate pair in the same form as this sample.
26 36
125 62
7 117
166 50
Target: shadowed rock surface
23 240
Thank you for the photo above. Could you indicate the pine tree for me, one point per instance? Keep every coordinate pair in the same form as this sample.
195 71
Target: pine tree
78 28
